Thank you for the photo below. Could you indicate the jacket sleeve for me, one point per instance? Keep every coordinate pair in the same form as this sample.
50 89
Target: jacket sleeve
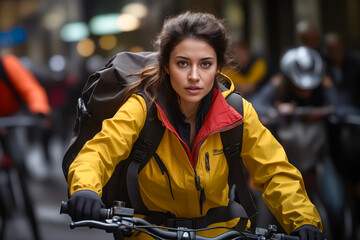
26 85
96 162
281 183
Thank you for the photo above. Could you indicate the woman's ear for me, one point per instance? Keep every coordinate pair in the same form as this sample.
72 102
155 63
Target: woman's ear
166 68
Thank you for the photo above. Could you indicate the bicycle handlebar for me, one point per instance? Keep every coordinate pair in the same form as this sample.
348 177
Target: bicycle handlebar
19 121
121 219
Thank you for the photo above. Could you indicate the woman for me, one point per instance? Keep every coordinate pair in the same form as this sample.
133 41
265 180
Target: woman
192 49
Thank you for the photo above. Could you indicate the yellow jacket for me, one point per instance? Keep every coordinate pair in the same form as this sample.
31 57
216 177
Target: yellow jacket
264 157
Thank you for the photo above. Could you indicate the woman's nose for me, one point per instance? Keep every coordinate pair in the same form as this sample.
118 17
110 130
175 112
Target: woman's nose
194 74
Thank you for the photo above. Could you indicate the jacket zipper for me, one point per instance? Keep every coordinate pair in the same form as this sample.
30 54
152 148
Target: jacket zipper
202 198
202 192
197 147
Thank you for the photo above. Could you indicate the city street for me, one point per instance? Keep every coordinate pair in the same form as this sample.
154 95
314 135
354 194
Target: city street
69 68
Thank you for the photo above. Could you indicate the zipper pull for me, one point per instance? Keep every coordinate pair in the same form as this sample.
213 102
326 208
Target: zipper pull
202 200
207 161
202 192
197 181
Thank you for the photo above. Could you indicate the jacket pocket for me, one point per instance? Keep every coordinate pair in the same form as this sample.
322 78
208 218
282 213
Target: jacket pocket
163 171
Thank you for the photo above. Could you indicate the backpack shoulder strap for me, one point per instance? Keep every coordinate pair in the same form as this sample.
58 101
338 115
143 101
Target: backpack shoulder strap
232 145
144 148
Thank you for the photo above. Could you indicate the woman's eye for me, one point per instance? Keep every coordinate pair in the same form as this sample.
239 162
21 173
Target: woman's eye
182 63
205 64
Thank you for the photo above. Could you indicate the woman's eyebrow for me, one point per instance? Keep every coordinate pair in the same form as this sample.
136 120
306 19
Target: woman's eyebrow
202 59
182 57
207 58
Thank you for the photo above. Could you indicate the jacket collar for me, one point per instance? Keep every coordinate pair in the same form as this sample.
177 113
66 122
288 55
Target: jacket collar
215 117
219 117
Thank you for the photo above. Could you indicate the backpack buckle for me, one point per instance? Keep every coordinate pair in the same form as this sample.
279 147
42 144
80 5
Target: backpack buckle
231 152
142 150
180 222
81 108
139 156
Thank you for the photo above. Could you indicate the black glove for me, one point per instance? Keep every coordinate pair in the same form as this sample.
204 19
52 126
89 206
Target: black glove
85 204
308 232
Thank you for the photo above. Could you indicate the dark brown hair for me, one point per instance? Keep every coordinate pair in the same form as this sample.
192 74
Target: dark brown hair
196 25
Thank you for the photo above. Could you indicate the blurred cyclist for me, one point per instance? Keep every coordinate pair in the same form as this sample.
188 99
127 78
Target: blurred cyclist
297 103
20 94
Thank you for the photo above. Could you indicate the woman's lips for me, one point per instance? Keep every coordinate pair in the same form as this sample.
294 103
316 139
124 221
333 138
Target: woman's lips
193 90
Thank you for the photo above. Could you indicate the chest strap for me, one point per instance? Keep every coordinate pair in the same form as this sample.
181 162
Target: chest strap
214 215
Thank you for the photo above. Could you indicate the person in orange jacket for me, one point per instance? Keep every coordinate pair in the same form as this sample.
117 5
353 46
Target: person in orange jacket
20 92
26 86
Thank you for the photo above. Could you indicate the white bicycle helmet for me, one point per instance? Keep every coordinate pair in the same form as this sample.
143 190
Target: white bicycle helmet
303 66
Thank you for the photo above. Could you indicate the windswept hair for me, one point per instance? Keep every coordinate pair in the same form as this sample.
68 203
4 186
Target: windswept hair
193 25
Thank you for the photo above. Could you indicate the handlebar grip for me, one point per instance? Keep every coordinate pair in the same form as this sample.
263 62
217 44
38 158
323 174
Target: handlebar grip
285 237
104 212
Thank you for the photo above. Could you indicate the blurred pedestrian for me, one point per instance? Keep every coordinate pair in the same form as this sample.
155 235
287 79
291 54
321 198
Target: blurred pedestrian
309 35
251 72
344 68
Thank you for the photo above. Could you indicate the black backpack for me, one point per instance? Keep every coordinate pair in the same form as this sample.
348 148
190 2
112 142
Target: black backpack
101 98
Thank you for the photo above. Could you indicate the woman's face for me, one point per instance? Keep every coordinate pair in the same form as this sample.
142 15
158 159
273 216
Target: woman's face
192 70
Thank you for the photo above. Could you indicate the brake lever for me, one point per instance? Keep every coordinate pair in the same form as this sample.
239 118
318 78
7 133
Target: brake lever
95 224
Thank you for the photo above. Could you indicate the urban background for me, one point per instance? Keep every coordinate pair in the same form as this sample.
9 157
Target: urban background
63 41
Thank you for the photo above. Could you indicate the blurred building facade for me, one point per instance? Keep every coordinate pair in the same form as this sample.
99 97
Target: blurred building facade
269 25
63 41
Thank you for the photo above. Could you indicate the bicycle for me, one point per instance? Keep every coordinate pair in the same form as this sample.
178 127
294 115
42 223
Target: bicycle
14 189
121 221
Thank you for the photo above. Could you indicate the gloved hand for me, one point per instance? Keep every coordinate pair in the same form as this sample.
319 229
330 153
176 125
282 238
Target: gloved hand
308 232
85 204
